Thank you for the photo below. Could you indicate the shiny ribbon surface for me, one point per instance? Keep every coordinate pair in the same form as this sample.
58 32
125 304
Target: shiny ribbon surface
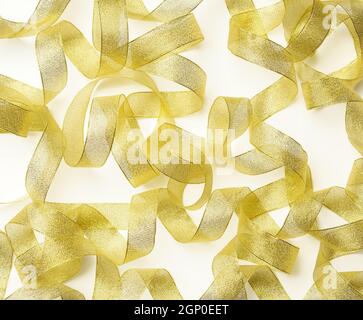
72 231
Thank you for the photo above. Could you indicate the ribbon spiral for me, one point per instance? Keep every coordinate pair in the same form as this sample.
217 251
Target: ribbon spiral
75 230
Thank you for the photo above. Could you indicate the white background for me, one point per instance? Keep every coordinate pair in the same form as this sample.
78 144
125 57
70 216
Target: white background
321 133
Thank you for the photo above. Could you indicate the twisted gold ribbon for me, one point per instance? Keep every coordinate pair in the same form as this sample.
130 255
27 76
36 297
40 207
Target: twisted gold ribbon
303 24
73 231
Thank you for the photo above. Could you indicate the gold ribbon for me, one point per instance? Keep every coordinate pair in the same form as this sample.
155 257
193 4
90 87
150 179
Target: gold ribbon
73 231
303 24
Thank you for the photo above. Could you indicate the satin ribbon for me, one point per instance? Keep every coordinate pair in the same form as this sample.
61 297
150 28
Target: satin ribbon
73 231
303 24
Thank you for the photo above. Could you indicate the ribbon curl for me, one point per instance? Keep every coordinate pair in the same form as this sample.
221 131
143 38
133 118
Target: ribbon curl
73 231
305 32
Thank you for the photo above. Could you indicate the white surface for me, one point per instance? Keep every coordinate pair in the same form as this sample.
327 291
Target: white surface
321 133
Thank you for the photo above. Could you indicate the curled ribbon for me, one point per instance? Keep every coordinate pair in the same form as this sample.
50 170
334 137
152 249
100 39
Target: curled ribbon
73 231
304 31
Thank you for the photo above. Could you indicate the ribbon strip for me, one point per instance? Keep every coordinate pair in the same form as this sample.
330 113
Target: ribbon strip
73 231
